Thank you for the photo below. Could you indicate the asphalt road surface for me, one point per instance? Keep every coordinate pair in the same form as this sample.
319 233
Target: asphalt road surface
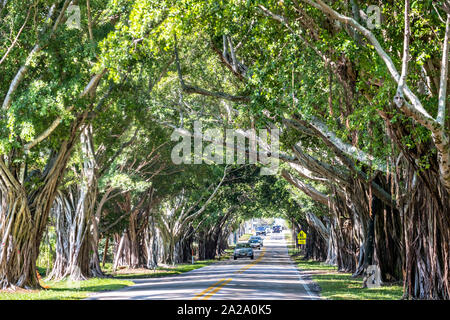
271 275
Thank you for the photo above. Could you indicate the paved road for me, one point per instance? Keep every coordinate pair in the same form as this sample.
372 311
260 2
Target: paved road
271 275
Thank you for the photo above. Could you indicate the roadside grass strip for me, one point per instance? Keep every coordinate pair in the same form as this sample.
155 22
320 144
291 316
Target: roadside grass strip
335 285
67 289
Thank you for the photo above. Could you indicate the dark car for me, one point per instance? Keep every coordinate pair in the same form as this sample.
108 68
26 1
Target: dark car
276 229
260 231
243 250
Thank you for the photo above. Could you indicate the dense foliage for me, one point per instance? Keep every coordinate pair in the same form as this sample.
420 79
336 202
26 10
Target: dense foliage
88 112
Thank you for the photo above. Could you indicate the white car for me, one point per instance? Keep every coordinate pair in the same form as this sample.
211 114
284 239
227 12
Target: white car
254 243
260 239
243 250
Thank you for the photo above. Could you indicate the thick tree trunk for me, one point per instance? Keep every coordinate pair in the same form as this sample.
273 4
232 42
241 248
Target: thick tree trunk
95 239
185 253
210 248
209 240
427 233
132 252
17 248
222 243
133 249
152 243
344 232
316 247
94 261
331 246
74 213
424 206
121 254
369 245
105 252
73 241
388 242
207 245
361 252
201 245
24 215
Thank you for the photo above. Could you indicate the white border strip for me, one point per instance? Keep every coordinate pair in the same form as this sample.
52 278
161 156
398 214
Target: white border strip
303 282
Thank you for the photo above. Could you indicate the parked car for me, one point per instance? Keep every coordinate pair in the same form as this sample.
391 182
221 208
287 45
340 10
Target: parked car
276 229
257 238
243 250
255 244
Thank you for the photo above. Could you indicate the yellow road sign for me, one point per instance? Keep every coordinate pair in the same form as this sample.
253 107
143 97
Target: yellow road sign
301 237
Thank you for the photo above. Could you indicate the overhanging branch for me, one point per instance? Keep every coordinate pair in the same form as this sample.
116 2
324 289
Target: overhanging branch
193 89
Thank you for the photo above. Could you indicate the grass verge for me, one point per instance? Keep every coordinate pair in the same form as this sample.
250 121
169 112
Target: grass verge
245 237
336 285
66 290
77 290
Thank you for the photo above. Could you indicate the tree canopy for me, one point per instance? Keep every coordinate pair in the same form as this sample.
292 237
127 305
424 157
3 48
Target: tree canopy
361 105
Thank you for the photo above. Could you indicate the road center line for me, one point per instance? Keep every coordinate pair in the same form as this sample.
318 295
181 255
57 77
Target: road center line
198 295
253 263
209 295
210 291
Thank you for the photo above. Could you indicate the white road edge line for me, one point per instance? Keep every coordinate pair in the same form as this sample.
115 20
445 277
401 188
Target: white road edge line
300 277
302 281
